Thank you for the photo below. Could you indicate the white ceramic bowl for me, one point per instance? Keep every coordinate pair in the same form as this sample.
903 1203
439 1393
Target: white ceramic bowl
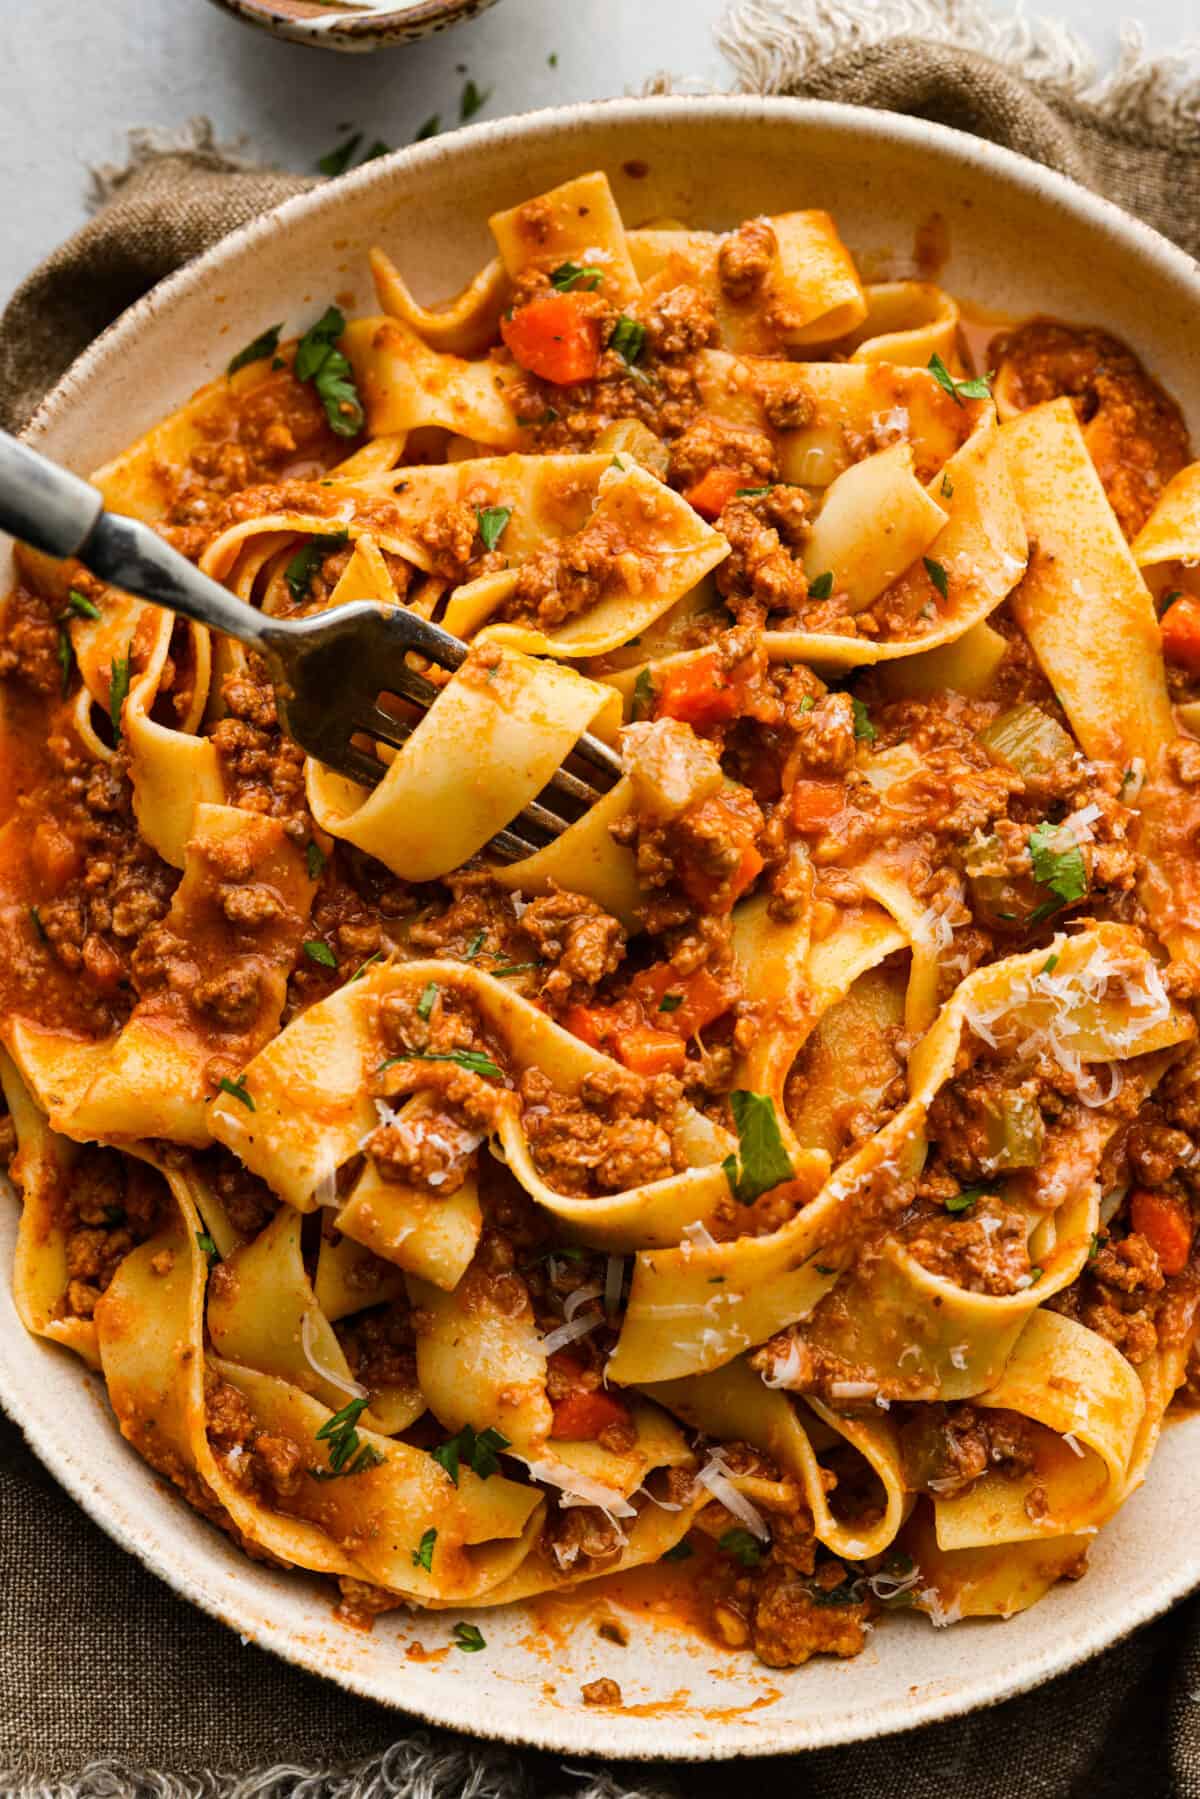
1020 239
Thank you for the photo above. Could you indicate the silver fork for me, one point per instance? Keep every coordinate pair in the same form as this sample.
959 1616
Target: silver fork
328 670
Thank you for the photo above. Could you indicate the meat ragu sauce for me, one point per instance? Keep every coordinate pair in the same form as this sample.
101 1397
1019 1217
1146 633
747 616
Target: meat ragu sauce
790 773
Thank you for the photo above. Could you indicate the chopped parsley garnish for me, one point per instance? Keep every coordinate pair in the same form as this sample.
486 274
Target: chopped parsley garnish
1061 870
842 1594
314 858
208 1248
237 1090
1035 1274
516 968
742 1546
1093 1248
569 274
670 1002
1049 965
475 945
316 951
378 148
1168 600
468 1637
319 360
864 730
937 575
38 926
822 586
962 1202
80 604
753 493
824 1268
947 488
479 1452
347 1453
265 344
682 1552
472 1060
628 339
643 695
376 956
118 691
66 659
304 564
549 417
762 1162
338 160
493 521
427 1001
552 60
422 1555
430 128
473 100
978 387
807 704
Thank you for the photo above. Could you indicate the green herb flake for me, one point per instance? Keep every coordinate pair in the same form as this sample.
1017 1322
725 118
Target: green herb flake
1035 1275
753 493
977 387
742 1546
515 968
430 128
118 690
628 339
304 564
670 1002
475 945
937 575
643 699
473 100
762 1162
319 360
682 1552
480 1452
947 488
962 1202
493 522
552 60
472 1060
66 659
807 704
843 1594
208 1248
422 1555
378 148
237 1090
864 730
427 1001
347 1453
1168 600
265 344
824 1268
1093 1248
338 160
469 1638
1062 870
822 586
81 605
316 951
570 275
1049 965
314 859
549 417
39 927
359 972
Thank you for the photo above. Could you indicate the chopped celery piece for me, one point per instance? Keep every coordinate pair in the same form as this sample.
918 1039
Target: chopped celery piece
629 437
1029 741
1013 1130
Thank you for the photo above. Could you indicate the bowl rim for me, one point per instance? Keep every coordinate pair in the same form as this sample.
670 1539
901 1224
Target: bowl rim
584 1735
415 16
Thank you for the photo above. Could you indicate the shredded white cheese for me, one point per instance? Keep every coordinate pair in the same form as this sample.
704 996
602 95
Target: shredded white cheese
568 1333
715 1477
308 1329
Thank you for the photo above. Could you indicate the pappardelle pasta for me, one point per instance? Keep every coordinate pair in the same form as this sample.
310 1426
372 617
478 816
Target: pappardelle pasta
788 1171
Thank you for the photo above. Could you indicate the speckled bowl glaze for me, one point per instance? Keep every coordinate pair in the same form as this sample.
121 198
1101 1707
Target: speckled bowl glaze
1019 239
353 24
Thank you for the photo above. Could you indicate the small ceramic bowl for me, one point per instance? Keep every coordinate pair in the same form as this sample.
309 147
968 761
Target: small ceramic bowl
353 24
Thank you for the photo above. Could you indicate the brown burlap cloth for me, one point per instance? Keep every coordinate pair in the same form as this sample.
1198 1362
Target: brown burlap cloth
111 1685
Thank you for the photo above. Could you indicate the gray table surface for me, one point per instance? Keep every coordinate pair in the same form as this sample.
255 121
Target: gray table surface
80 73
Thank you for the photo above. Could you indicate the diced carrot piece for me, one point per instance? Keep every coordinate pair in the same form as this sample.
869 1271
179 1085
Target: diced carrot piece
555 337
701 998
594 1025
699 693
816 804
646 1050
1181 633
712 492
1164 1221
582 1416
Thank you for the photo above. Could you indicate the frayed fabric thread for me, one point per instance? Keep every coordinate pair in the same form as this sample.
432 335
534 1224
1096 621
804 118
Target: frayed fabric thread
195 140
774 45
418 1768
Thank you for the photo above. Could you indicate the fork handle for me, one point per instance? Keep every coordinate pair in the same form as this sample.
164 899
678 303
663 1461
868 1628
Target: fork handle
58 513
